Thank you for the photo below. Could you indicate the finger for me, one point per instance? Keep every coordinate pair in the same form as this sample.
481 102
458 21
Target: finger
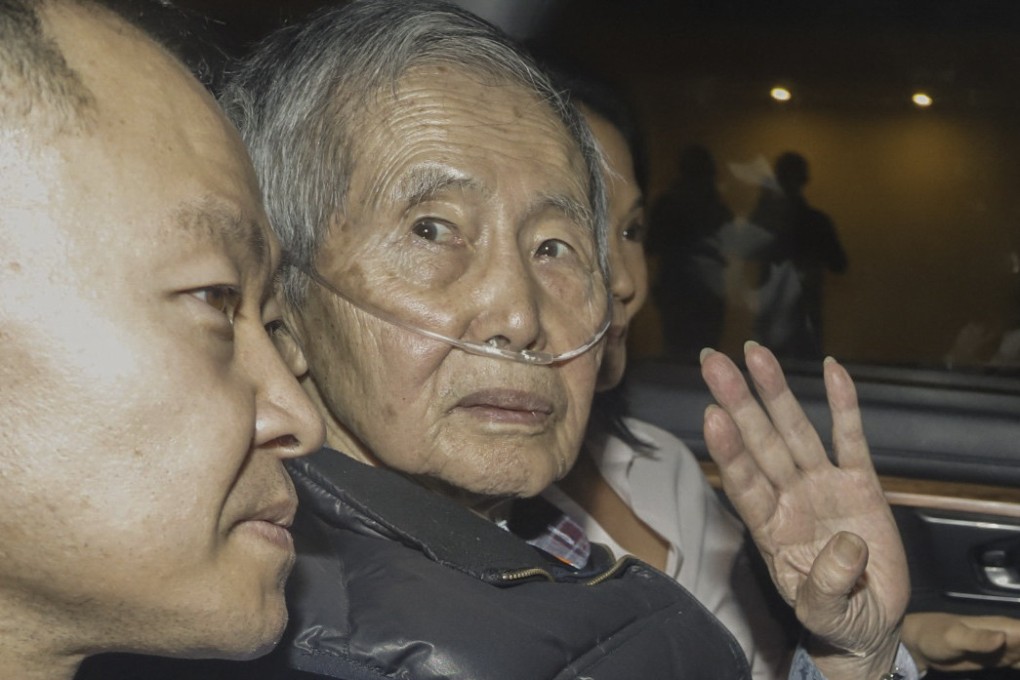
760 437
784 409
823 600
1008 624
964 638
743 482
847 430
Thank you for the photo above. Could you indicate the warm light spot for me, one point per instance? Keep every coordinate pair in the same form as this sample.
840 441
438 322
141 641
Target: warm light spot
921 99
780 94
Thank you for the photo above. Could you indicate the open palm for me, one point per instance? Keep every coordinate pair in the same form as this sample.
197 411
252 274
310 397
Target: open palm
823 527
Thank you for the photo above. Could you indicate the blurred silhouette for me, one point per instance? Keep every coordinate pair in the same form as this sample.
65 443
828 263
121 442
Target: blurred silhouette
685 237
985 346
804 246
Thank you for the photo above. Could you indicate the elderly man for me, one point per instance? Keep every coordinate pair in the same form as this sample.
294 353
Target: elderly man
441 209
146 412
447 286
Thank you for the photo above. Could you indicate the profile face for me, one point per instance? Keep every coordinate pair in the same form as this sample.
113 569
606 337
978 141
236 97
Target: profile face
146 411
627 231
466 213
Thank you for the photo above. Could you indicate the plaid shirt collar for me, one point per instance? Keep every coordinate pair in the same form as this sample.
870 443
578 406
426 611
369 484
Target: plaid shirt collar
546 527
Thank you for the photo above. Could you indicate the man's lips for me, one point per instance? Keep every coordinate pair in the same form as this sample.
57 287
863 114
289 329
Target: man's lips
510 406
280 512
272 522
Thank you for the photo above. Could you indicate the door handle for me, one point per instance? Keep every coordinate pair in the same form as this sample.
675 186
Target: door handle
1000 564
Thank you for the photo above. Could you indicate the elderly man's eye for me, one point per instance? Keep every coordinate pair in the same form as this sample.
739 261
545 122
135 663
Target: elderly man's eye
223 298
286 345
432 230
553 248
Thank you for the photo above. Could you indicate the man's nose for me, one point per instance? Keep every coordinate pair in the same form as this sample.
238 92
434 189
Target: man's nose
286 421
508 304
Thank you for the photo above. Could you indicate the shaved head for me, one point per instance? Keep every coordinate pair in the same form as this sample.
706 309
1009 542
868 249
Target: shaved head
145 411
36 84
38 87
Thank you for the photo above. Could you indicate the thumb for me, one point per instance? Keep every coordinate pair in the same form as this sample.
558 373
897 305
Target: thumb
823 600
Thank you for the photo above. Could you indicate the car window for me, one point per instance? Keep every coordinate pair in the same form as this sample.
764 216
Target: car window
828 178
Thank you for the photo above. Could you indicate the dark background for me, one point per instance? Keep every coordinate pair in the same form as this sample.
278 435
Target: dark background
925 201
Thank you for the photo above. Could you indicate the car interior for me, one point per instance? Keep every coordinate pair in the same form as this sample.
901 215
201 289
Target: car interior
908 116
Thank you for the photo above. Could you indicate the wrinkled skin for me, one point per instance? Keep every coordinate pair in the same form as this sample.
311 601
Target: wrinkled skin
824 528
499 170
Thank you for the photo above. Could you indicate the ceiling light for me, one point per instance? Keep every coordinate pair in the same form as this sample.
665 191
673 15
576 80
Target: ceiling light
780 94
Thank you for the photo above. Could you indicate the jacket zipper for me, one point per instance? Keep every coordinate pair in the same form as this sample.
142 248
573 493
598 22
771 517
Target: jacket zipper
608 574
522 574
532 572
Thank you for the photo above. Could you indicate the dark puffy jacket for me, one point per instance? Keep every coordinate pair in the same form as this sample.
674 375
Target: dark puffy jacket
395 581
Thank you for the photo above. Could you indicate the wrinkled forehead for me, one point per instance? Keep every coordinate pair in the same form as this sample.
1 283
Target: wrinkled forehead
440 127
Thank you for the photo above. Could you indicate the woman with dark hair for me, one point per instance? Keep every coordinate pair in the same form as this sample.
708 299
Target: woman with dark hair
635 487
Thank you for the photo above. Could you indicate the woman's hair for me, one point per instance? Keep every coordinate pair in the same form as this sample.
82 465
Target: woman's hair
605 101
609 409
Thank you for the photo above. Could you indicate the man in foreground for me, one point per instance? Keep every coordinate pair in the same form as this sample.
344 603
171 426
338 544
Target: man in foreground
145 411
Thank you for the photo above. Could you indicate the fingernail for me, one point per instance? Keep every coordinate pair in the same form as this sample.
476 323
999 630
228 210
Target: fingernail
705 353
847 551
750 344
829 360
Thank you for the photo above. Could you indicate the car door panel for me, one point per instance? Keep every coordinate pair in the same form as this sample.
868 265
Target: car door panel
948 457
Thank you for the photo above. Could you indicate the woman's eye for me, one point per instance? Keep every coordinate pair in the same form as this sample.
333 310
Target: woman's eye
223 298
276 327
553 248
635 231
432 230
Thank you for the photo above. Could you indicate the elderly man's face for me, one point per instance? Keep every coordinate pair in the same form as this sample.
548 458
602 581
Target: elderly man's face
474 192
145 410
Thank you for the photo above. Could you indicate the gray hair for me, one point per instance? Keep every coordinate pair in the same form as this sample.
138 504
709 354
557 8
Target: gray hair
296 102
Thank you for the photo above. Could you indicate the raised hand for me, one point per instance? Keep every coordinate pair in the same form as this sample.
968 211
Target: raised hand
823 527
948 642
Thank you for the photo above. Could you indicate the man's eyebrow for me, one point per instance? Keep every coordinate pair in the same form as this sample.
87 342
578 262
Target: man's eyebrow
425 182
578 212
209 219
